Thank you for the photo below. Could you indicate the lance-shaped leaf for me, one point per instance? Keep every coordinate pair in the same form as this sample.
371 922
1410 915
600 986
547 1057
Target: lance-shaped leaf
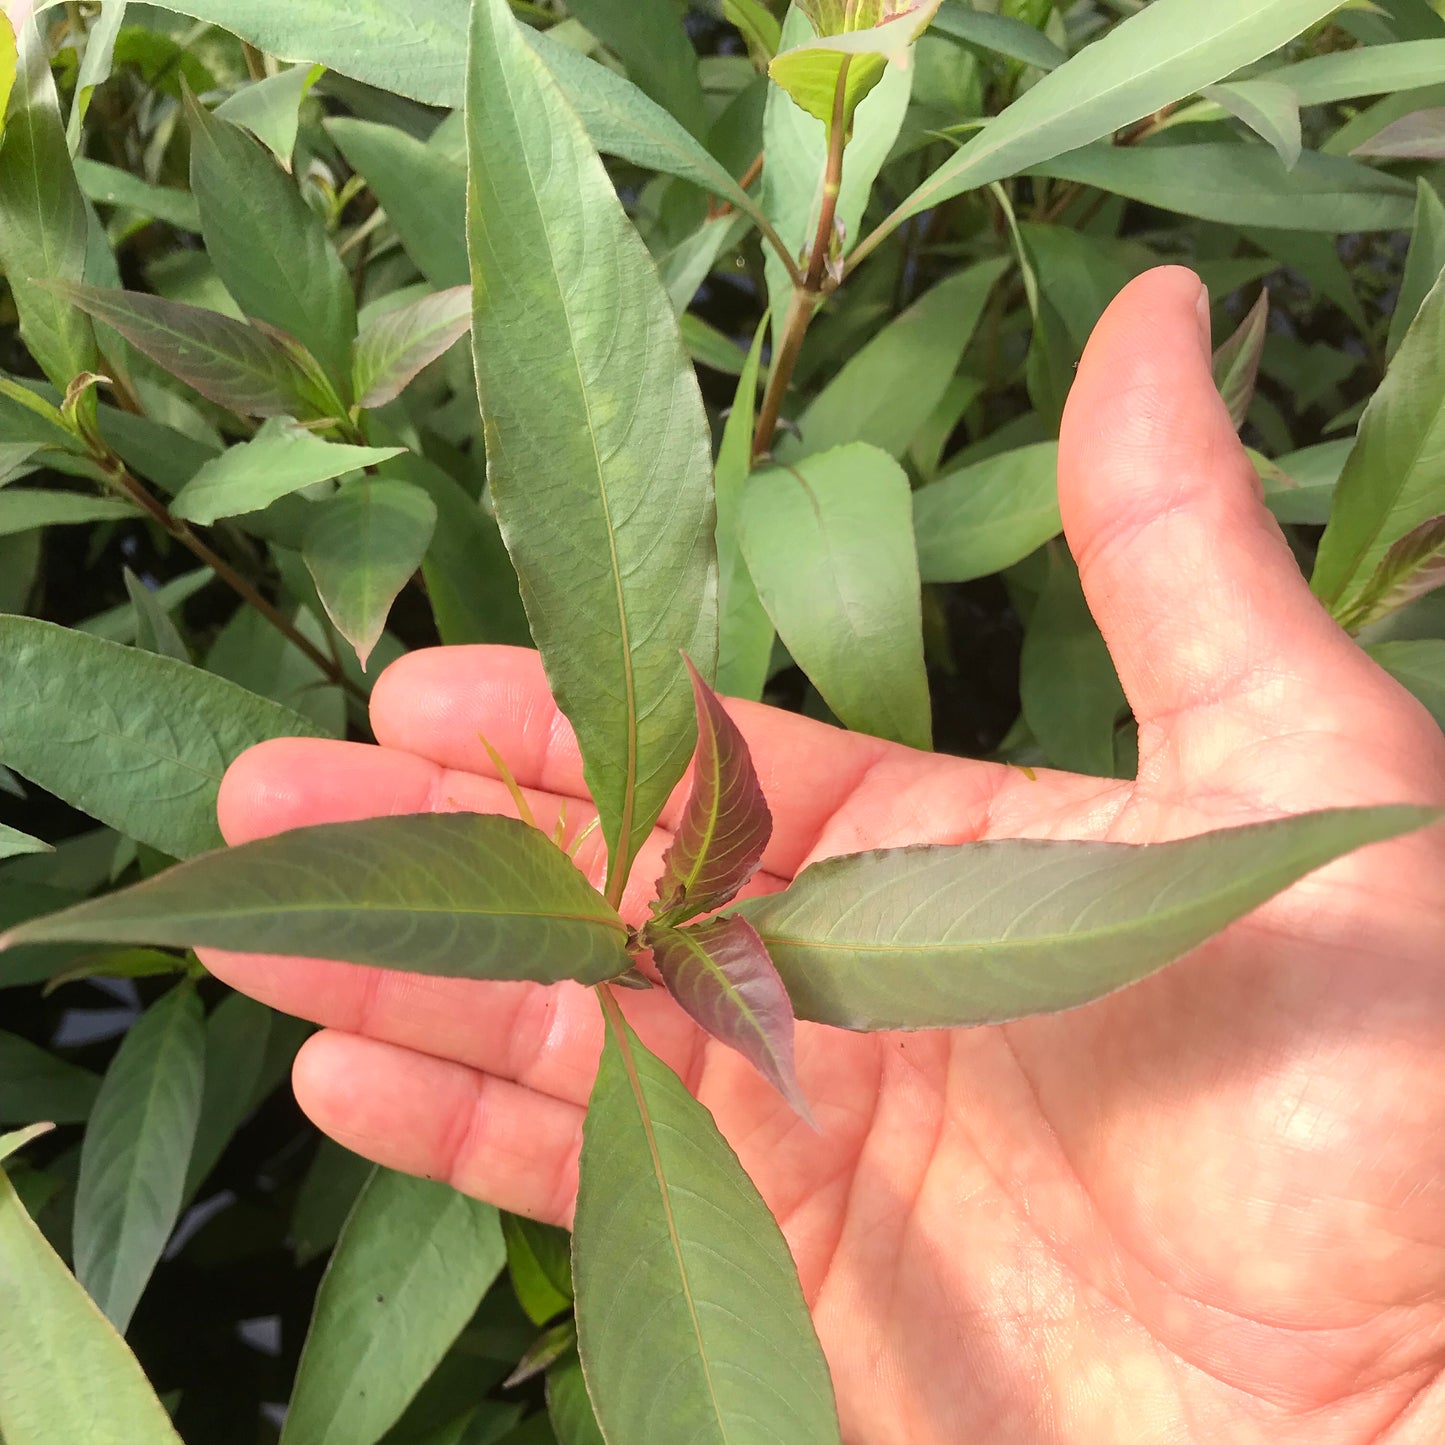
758 26
111 186
1268 109
278 460
42 218
394 346
9 61
137 741
269 247
1419 136
247 370
13 842
34 1084
721 975
569 1411
1423 263
68 1375
690 1320
1412 567
136 1150
1003 34
22 509
598 452
362 548
726 825
271 108
1236 362
832 75
455 894
539 1260
939 937
1368 70
411 1266
1392 482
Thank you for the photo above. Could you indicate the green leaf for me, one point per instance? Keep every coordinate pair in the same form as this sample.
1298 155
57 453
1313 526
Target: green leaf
328 1192
1244 185
95 64
745 631
721 976
411 1267
240 367
1167 50
813 72
422 191
271 108
13 843
549 1347
111 186
26 417
1067 684
89 720
1417 136
1418 664
596 438
1002 33
34 1084
1412 567
758 26
1424 262
456 895
42 219
1270 110
649 39
268 246
278 460
469 578
829 543
9 61
136 1150
568 1408
68 1375
725 825
539 1260
982 518
912 938
23 509
691 1323
19 1138
1236 362
155 631
1392 482
362 548
394 346
1370 70
887 389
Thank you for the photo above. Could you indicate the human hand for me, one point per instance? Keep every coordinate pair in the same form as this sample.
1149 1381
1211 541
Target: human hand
1209 1207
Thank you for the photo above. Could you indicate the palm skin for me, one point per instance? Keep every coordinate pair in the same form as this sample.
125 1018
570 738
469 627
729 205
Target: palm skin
1211 1207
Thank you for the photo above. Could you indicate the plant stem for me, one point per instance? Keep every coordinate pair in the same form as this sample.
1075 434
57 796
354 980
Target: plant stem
795 326
832 182
123 481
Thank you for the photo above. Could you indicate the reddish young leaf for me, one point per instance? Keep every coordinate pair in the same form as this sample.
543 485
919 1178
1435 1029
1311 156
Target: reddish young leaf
726 825
1412 567
1236 363
721 975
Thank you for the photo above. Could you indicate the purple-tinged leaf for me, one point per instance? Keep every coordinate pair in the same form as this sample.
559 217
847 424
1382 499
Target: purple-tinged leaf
1419 136
394 346
243 368
726 825
1412 567
1236 363
721 975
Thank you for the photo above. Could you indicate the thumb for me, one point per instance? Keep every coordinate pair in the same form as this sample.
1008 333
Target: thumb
1191 581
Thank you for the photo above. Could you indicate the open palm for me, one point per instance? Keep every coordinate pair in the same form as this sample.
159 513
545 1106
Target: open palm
1211 1207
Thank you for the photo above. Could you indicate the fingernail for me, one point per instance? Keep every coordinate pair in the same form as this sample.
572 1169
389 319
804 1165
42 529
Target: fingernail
1206 335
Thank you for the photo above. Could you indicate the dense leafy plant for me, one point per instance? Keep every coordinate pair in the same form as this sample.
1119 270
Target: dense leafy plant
240 287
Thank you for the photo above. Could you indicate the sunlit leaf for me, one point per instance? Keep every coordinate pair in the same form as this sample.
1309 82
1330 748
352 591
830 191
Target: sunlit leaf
1236 362
829 543
539 1260
912 938
17 1139
362 548
1412 567
68 1375
690 1320
597 443
136 1151
758 26
268 246
1267 108
13 842
234 365
394 346
42 219
454 894
35 1084
9 62
411 1266
721 975
270 108
1391 483
987 516
91 721
278 460
1369 70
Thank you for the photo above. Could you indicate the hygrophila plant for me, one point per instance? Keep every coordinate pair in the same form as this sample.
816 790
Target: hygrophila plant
646 571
